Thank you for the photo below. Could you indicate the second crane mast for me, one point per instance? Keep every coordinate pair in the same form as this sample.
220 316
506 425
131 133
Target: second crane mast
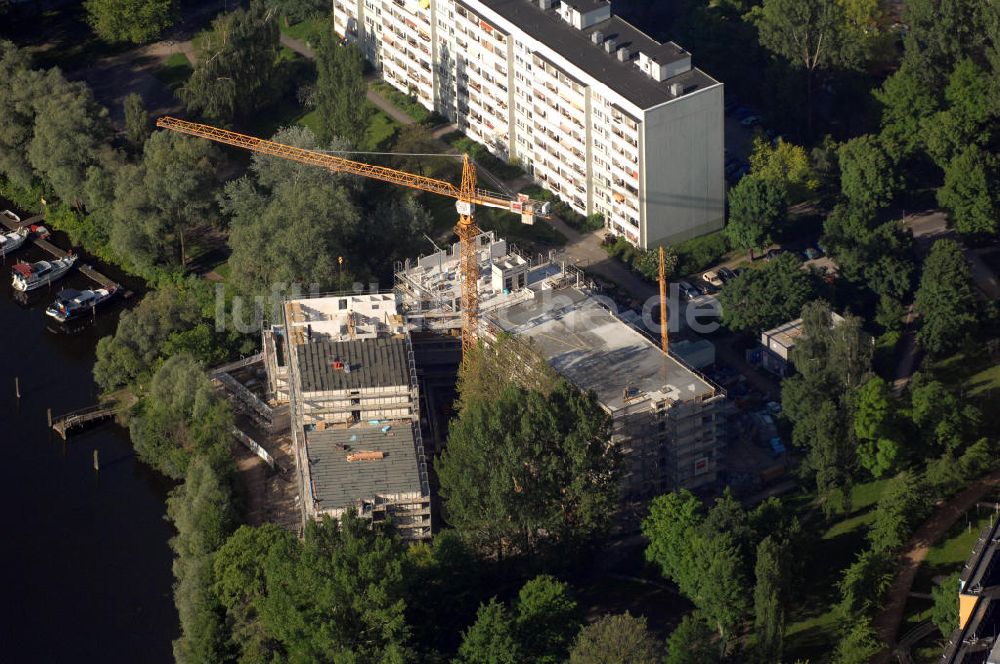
467 197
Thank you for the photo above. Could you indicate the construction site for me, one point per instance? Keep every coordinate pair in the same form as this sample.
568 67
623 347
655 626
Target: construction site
368 376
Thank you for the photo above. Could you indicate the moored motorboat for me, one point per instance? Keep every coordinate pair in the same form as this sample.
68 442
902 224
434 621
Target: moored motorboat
12 240
71 303
29 276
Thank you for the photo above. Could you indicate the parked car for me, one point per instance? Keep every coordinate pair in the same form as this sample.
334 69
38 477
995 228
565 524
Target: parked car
726 274
713 278
750 121
812 253
705 289
687 291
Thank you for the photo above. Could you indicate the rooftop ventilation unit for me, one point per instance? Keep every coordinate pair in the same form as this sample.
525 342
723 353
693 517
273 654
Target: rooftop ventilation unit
610 45
545 4
676 89
624 54
597 37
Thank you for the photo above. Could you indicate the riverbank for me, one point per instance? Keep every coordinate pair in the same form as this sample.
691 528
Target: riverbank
86 565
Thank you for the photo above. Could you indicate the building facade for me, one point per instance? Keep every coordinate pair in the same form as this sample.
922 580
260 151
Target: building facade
609 119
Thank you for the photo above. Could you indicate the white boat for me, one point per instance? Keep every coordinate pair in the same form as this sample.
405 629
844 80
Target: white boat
12 240
72 303
29 276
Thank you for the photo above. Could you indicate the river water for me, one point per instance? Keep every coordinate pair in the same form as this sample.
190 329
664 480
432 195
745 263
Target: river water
84 561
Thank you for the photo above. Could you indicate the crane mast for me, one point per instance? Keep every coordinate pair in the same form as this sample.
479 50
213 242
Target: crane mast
467 197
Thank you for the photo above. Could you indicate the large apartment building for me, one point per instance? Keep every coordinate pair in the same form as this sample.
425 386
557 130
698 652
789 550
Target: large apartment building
611 120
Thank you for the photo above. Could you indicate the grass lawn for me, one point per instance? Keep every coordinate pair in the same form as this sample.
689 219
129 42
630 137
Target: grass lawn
405 103
380 132
308 31
175 71
973 373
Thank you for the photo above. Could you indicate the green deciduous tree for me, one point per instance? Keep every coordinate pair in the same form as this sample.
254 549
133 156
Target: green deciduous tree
903 504
235 73
180 417
863 584
547 620
769 593
70 126
940 416
337 596
141 333
135 21
785 163
874 427
299 10
340 91
942 32
616 639
524 469
944 613
756 206
201 510
867 173
137 125
318 213
491 639
971 190
761 298
944 300
20 88
906 102
691 643
859 645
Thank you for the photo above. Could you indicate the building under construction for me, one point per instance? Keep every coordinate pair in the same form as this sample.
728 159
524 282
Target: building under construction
348 367
667 419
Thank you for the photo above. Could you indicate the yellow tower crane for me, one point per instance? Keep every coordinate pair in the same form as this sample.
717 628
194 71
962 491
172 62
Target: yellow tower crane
467 197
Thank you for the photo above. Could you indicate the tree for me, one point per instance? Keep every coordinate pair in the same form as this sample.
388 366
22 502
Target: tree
523 470
615 639
70 126
159 200
235 73
784 163
547 620
756 206
340 91
181 417
298 10
20 88
762 298
970 192
811 34
491 639
944 613
969 120
867 173
945 300
942 32
691 643
769 610
137 125
863 584
335 597
141 333
859 645
902 505
202 512
940 416
873 425
318 211
707 566
907 101
136 21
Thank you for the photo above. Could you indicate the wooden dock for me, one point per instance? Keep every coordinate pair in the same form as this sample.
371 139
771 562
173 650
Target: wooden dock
85 270
63 424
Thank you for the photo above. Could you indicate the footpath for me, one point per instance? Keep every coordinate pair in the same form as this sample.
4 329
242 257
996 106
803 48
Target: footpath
887 622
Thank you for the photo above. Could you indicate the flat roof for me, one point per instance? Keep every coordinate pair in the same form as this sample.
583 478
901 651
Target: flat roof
379 362
625 78
596 351
339 483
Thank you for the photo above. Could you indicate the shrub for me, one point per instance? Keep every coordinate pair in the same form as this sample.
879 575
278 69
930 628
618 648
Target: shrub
700 253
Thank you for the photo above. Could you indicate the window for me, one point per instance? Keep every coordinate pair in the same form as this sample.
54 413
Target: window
342 304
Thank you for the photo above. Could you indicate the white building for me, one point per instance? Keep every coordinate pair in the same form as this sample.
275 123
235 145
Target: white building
603 115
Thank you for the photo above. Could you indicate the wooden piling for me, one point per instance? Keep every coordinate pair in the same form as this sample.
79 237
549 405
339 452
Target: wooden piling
97 462
48 413
17 386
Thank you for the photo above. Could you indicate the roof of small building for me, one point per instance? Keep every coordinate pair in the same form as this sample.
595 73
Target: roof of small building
339 483
625 78
378 362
